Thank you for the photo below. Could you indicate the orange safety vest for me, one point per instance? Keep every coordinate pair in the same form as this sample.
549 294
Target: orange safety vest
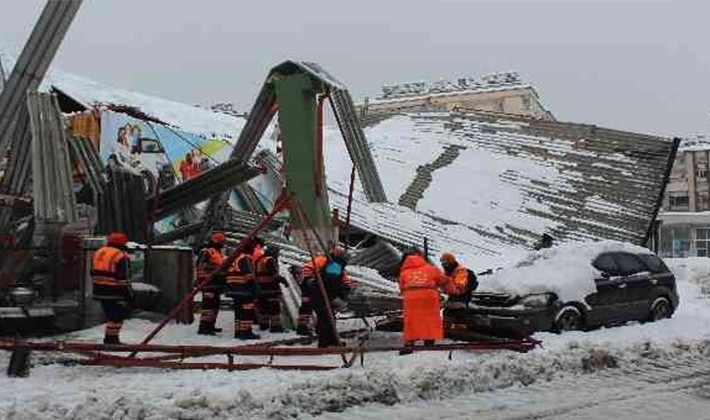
210 260
458 281
321 261
237 274
266 270
310 271
104 269
258 252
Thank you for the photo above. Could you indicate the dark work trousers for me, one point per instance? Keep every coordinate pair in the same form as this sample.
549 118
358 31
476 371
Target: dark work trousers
210 308
324 326
270 304
243 296
305 311
115 312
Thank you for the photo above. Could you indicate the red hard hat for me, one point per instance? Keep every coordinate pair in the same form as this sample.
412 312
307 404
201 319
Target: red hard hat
118 239
218 237
448 258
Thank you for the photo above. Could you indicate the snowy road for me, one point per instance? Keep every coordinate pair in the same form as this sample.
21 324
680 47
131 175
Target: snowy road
655 370
661 390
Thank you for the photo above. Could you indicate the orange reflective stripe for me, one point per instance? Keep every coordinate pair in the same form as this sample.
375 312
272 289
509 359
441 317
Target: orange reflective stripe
215 256
419 288
235 275
105 267
109 281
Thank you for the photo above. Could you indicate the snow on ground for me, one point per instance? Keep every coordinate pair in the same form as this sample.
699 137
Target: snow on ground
564 270
58 391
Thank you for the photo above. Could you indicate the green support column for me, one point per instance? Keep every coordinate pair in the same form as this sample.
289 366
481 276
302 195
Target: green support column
296 98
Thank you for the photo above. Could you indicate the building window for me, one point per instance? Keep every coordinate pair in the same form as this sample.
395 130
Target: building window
675 241
701 174
501 106
702 201
526 103
702 242
678 201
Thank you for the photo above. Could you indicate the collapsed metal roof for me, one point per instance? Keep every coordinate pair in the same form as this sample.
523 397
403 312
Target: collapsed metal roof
485 185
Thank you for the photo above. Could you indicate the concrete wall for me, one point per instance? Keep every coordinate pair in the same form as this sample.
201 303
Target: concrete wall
518 101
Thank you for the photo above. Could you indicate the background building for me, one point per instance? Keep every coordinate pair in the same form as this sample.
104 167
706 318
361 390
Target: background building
685 216
498 92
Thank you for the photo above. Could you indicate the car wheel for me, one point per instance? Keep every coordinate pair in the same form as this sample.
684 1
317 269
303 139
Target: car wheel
660 309
568 318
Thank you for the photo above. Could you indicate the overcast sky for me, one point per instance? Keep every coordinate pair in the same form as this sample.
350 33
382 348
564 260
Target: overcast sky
640 66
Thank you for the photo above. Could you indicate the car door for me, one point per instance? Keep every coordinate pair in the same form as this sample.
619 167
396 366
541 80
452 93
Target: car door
635 286
605 302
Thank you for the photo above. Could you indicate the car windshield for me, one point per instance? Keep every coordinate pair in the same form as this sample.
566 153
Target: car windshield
629 263
654 264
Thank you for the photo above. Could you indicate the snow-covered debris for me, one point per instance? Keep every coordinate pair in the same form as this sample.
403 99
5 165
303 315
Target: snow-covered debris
185 117
144 287
486 188
502 80
565 270
697 143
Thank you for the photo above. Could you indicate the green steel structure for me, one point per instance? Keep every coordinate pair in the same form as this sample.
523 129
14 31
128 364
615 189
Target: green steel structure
298 92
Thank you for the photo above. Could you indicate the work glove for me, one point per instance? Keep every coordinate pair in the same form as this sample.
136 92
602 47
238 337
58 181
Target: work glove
282 280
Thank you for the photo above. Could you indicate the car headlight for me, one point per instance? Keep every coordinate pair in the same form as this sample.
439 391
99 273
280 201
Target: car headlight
535 301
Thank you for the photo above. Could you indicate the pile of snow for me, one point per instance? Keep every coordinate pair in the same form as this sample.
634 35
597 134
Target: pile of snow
59 391
144 287
694 270
565 270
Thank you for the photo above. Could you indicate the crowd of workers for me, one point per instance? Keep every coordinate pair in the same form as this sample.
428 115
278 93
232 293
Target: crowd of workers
253 282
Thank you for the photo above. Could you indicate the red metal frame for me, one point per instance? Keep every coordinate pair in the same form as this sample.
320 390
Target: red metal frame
280 204
97 355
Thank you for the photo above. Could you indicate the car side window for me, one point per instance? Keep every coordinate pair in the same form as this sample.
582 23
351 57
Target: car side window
654 264
606 264
629 264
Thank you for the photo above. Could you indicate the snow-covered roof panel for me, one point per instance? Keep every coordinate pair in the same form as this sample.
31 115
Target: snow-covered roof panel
185 117
488 187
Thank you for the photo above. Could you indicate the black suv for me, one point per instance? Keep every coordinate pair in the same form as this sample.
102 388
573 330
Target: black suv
631 287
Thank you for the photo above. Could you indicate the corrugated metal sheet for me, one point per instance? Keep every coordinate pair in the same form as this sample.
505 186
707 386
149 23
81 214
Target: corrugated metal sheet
26 75
217 180
607 186
52 186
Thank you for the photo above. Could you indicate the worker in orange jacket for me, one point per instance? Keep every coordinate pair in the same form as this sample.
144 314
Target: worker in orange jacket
266 271
419 282
242 288
331 270
462 281
111 281
259 316
210 259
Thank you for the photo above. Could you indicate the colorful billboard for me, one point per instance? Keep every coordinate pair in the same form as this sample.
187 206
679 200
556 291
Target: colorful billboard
157 151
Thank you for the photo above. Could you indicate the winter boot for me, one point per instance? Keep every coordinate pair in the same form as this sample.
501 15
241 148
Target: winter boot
217 330
407 349
246 335
304 330
277 330
206 329
428 343
263 326
111 339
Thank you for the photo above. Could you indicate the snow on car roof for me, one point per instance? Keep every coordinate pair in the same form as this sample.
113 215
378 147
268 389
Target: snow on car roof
565 270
